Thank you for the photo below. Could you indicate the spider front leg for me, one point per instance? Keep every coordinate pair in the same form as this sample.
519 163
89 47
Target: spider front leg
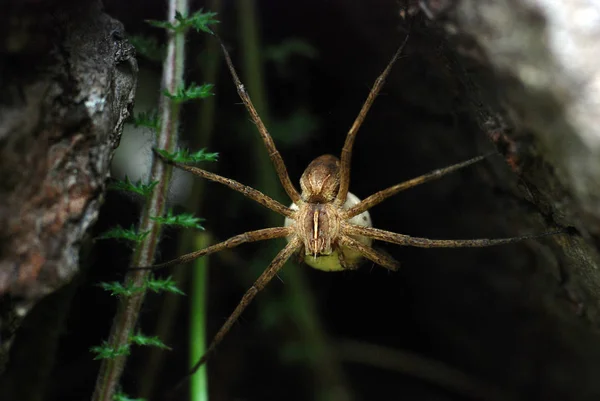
274 154
245 190
346 155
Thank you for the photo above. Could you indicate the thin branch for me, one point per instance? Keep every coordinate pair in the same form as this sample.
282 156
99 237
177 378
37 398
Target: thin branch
129 307
171 303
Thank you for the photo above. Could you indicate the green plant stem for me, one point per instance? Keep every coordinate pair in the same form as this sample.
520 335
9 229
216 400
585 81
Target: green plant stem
129 307
198 308
322 360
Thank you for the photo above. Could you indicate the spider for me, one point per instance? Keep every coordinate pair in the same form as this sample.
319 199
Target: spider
326 225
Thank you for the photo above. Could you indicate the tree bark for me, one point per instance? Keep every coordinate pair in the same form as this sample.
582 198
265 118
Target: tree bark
540 107
68 80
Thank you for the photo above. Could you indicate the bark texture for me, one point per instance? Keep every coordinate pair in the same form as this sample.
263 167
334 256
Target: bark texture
543 113
67 83
530 78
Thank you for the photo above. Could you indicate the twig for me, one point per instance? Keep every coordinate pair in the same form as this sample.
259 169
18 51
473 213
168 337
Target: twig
129 307
204 127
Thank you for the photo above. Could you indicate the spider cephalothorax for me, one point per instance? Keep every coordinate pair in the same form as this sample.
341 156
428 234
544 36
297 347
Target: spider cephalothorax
320 182
326 224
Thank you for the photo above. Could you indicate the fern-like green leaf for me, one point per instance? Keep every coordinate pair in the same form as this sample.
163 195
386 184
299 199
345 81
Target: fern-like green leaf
128 234
184 156
185 220
117 289
139 188
106 351
140 339
163 285
147 119
199 21
121 396
192 92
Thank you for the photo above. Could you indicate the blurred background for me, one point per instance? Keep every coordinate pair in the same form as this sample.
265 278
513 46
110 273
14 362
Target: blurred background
312 335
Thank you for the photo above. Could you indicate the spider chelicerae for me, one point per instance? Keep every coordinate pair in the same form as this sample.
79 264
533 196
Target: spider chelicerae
328 226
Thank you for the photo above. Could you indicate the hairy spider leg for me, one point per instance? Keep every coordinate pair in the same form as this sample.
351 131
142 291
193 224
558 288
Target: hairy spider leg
382 195
258 285
347 149
407 240
274 154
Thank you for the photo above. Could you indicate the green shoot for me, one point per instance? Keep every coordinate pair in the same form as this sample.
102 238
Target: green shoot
121 396
153 284
105 351
185 220
139 188
147 119
128 234
184 156
163 285
119 290
192 92
140 339
198 21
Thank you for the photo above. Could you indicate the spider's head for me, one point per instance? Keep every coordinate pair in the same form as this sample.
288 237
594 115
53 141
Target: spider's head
320 181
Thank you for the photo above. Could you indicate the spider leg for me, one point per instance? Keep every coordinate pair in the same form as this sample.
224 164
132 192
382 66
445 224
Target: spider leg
345 265
259 284
407 240
270 145
382 195
298 256
373 255
250 236
347 149
247 191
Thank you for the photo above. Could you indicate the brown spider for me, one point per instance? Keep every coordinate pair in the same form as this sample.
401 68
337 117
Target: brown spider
329 227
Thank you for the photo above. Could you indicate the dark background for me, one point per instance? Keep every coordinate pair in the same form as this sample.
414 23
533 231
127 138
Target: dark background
482 311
